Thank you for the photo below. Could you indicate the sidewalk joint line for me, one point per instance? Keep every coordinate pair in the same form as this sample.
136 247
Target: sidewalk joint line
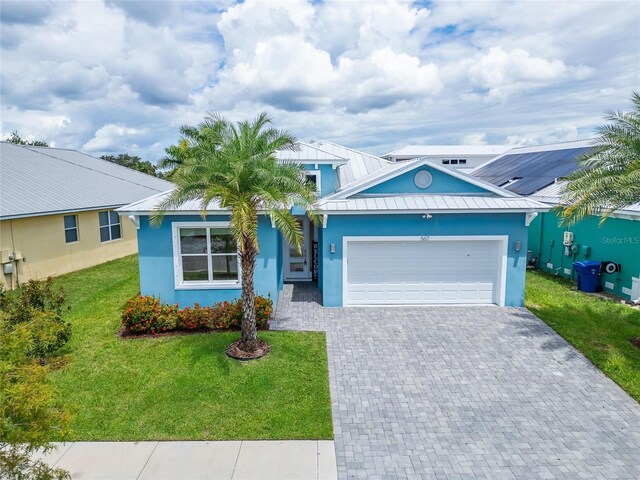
71 444
149 458
237 457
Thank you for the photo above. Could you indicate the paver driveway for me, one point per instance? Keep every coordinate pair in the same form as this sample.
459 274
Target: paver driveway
465 392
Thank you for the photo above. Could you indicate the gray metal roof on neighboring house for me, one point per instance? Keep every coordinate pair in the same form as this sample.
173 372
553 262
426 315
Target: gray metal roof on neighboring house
552 195
526 170
40 181
441 150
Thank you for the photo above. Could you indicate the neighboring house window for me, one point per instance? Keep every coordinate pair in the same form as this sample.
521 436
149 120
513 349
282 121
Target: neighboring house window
206 255
109 226
70 228
445 161
313 176
454 161
462 161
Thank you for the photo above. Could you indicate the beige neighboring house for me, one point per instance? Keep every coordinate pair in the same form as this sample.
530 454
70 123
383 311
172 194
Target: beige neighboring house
57 211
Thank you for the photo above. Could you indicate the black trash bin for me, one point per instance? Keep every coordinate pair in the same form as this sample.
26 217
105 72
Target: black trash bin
588 272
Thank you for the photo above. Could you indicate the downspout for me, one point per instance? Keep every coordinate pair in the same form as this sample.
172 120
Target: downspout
15 262
542 214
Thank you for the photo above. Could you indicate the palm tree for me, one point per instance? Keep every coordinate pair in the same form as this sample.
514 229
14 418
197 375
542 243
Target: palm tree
235 165
609 177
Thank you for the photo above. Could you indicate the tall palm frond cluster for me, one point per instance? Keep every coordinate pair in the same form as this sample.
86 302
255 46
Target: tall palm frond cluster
235 165
609 175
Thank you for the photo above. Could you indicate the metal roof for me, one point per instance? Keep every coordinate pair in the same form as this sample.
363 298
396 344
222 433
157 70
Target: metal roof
149 204
309 153
376 203
453 150
41 181
429 203
552 195
359 163
526 170
394 169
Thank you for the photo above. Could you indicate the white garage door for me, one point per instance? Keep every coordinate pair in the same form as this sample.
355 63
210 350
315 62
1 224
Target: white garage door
433 271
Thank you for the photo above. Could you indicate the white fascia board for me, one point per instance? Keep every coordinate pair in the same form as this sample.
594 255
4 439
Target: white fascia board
334 163
431 210
60 212
133 207
410 165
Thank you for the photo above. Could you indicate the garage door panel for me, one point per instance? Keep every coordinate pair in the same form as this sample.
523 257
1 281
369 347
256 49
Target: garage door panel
422 272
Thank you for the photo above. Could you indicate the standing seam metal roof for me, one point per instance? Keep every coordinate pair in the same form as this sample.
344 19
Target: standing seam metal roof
359 163
429 203
40 180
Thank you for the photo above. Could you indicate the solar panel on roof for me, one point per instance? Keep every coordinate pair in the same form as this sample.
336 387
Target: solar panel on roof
533 170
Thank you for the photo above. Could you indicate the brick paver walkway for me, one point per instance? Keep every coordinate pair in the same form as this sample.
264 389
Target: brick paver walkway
465 392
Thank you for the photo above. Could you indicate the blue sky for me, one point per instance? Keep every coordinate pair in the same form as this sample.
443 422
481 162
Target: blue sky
111 77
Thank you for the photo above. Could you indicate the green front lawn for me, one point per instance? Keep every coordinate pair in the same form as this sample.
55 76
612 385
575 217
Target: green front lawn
182 387
601 329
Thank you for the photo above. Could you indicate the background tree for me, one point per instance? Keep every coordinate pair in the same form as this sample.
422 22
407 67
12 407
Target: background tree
134 162
609 175
18 140
235 165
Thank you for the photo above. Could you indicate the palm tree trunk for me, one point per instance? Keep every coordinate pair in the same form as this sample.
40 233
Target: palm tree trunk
249 337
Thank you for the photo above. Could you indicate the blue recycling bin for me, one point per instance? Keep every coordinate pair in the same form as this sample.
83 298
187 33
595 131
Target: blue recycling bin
588 272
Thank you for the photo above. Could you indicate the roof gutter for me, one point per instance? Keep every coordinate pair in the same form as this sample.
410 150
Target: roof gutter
60 212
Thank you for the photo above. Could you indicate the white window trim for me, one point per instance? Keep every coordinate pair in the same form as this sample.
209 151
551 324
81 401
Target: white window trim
109 225
318 175
72 228
180 284
502 268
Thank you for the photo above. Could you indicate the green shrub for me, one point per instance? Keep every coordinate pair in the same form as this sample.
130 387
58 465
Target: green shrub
41 306
30 413
145 314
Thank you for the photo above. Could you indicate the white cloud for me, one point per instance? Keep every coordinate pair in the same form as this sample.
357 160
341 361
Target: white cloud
295 60
110 136
474 139
563 133
502 72
375 75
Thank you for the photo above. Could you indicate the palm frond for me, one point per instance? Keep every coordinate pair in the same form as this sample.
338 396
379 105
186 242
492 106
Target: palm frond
608 175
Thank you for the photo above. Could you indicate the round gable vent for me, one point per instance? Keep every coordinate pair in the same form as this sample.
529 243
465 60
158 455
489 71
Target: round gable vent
423 179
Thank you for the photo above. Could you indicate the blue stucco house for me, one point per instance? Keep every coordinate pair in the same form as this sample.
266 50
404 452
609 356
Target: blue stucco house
391 234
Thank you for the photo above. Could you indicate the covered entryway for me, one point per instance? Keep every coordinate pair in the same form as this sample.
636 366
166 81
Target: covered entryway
424 270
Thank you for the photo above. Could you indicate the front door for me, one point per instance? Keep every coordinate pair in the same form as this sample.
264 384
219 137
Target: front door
297 264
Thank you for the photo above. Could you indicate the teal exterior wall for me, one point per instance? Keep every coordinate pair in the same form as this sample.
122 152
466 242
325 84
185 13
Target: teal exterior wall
340 226
442 183
155 251
617 240
328 177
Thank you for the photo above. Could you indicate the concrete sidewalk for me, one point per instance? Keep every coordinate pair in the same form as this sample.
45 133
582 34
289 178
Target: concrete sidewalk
249 460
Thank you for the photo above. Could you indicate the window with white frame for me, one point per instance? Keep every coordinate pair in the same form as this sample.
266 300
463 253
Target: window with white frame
70 228
109 226
313 177
206 254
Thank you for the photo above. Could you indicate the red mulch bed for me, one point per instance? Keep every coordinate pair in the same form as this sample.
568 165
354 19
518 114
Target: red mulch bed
122 333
